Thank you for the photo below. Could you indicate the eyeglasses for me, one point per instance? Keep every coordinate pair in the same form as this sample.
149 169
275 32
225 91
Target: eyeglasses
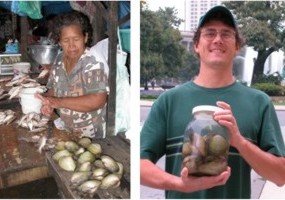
224 34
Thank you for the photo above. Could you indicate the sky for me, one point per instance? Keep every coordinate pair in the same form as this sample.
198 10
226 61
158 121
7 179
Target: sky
178 4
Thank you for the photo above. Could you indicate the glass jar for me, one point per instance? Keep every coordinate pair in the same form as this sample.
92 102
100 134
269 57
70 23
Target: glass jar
206 143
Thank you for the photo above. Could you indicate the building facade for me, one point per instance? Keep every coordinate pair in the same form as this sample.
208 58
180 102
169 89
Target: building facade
194 9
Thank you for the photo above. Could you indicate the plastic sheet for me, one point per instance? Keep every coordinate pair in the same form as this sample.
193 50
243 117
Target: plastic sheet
122 121
122 116
27 8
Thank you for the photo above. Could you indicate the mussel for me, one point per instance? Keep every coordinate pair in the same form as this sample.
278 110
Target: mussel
78 178
110 181
67 163
217 145
86 157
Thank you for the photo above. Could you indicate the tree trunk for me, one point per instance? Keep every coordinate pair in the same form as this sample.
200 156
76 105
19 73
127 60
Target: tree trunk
258 67
145 85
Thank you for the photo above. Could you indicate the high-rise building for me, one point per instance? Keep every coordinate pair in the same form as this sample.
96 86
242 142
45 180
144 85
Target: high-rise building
194 9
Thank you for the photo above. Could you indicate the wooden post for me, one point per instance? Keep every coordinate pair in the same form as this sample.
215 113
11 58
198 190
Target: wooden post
112 33
24 38
99 22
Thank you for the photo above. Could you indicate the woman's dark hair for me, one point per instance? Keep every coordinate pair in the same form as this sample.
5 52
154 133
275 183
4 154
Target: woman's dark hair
72 18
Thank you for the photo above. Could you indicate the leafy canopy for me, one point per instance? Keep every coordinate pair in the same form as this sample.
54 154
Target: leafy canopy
262 24
161 51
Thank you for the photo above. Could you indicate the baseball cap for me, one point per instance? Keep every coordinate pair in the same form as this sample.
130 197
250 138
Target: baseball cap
220 12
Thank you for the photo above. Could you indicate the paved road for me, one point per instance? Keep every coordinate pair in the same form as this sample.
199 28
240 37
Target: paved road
149 193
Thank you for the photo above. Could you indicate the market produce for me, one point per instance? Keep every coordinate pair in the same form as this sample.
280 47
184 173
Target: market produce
205 155
88 188
23 81
79 177
34 122
205 144
91 168
7 116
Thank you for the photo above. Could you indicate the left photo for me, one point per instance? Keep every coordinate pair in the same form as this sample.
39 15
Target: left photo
64 99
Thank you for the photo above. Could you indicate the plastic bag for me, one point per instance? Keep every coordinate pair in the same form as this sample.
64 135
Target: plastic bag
15 8
122 116
123 92
122 120
100 51
27 8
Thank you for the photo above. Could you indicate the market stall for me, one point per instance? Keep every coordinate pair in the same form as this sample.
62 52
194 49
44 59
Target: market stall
21 161
107 17
24 158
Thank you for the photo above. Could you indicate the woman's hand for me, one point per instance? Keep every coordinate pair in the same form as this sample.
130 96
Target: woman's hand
46 108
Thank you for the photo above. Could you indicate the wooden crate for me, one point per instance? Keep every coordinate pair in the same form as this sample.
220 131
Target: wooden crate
115 146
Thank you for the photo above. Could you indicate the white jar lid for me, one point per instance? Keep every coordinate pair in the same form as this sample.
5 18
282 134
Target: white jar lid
206 108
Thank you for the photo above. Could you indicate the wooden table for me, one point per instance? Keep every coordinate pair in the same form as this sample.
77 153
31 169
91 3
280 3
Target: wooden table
20 161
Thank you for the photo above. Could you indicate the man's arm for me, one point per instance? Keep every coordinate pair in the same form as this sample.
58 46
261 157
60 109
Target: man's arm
265 164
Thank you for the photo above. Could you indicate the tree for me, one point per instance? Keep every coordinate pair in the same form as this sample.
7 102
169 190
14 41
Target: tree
262 24
191 67
161 52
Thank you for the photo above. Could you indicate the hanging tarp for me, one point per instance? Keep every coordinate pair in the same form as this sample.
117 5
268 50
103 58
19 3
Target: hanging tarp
30 8
6 5
24 8
123 10
36 9
55 7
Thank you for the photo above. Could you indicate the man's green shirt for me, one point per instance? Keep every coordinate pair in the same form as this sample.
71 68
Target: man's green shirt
163 131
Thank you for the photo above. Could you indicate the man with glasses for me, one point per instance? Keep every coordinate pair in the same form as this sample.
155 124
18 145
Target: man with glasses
248 114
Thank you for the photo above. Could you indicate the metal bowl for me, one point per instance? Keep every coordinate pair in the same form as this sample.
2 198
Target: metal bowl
43 54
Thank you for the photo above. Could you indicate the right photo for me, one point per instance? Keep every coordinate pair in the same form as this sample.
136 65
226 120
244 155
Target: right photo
212 99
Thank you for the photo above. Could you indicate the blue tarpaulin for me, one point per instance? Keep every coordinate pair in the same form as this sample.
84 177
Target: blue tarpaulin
45 8
36 9
41 9
24 8
55 7
123 10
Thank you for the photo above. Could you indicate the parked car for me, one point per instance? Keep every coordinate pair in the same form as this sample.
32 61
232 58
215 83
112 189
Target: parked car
167 86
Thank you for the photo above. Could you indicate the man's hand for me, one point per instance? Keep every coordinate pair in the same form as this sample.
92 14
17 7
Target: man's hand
227 119
193 183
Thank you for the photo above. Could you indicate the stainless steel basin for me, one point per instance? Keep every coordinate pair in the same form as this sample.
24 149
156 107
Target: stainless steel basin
43 54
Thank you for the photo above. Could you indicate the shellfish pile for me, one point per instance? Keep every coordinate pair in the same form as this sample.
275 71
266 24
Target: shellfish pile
92 170
205 155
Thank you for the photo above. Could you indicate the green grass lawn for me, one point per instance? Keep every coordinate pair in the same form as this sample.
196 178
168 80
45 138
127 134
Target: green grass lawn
150 98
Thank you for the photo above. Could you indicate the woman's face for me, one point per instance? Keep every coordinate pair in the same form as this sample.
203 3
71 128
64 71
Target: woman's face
72 41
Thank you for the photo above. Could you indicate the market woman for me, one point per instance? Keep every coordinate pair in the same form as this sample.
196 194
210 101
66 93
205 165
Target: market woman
78 85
